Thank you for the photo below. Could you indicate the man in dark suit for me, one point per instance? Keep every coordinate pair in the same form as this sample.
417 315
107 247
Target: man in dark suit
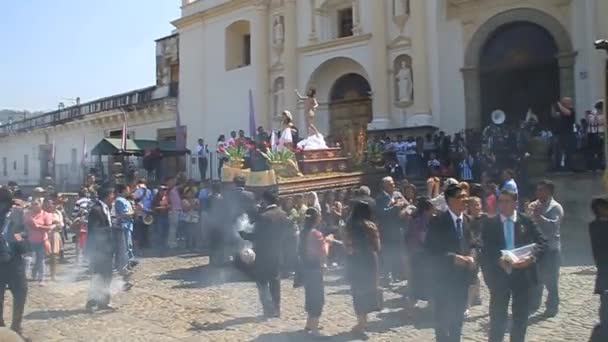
451 248
598 232
267 237
389 205
104 244
506 279
239 202
13 245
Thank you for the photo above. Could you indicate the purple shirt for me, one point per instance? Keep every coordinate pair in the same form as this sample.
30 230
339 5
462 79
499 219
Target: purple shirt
174 200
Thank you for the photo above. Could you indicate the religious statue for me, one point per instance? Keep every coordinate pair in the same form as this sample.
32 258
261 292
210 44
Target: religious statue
401 7
278 32
310 104
404 83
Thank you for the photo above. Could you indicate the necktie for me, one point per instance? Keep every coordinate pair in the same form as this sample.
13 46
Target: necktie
510 244
459 228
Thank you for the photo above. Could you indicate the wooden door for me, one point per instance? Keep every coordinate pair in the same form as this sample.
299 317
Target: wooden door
348 122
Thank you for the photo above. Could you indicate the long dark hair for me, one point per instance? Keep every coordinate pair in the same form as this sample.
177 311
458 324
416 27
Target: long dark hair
310 219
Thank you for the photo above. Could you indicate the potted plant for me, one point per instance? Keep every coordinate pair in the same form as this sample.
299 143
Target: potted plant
236 155
278 161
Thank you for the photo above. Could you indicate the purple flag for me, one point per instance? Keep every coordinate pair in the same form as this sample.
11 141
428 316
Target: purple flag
252 127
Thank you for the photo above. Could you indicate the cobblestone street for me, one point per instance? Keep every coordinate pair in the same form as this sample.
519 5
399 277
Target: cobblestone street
174 299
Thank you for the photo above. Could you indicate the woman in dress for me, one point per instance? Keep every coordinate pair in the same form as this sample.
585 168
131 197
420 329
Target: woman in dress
312 252
160 207
286 138
191 209
220 150
362 244
414 240
39 223
55 238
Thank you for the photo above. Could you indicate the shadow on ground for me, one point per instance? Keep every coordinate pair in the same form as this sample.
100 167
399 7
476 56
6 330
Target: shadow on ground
54 314
205 276
230 324
301 336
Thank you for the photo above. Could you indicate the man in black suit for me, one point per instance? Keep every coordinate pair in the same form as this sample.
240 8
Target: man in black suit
598 232
103 246
13 245
267 237
505 279
239 202
452 252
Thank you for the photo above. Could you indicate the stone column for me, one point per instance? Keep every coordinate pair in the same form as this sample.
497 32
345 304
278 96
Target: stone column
381 112
472 97
290 56
313 21
260 60
356 18
566 74
420 69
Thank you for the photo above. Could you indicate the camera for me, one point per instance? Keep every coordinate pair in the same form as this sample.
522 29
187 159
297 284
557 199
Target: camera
601 44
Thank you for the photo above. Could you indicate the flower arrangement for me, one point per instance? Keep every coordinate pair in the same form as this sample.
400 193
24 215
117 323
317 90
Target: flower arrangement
236 152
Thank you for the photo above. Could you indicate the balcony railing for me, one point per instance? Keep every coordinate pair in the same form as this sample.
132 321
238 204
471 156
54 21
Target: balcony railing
133 98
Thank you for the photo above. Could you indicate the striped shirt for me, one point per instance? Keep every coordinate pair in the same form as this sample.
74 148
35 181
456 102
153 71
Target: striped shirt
81 208
466 173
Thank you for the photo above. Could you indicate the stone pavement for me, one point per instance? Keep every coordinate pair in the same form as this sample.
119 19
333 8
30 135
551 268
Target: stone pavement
179 298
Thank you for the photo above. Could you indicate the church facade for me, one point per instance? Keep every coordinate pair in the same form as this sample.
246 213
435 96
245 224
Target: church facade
385 64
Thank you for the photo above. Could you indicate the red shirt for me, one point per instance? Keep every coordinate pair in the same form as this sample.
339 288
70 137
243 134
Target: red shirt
34 221
314 245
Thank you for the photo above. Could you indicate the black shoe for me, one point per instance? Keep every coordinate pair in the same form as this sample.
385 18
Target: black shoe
91 307
550 313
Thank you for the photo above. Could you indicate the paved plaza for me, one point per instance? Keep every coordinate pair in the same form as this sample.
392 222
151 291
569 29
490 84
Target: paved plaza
180 298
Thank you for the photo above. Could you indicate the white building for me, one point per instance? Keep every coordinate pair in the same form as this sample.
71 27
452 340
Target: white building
58 144
385 64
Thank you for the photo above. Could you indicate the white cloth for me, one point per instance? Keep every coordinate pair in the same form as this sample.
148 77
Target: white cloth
286 137
313 142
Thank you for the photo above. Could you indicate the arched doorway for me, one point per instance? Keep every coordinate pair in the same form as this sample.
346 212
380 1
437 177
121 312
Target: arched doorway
350 111
519 71
506 24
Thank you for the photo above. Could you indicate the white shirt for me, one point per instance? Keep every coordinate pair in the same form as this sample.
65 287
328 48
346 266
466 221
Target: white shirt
455 218
410 148
201 151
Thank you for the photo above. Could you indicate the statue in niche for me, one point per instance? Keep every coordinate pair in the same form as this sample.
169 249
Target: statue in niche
404 83
278 32
401 7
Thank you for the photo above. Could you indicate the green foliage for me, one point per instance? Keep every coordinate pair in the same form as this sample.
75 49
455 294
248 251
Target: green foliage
278 156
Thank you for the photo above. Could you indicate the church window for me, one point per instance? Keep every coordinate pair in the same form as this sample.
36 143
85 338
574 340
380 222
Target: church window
345 22
238 45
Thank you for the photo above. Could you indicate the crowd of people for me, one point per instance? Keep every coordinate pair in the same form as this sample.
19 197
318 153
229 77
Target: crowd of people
439 240
472 154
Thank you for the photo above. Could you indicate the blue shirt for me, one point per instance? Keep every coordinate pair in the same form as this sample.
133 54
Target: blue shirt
144 195
123 207
509 185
